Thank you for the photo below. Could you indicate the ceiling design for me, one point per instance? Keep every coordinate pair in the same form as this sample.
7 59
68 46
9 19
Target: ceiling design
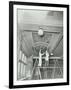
31 42
29 21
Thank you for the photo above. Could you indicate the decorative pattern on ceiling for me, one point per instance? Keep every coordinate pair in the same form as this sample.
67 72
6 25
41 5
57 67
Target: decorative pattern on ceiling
45 38
31 42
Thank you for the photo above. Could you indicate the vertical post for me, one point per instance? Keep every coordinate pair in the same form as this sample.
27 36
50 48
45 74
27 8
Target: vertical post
53 74
39 72
23 67
40 58
20 64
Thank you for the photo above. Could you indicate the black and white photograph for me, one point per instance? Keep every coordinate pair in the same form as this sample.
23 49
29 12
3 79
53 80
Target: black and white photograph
39 44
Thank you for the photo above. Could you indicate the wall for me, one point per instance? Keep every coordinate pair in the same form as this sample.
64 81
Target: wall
39 18
4 44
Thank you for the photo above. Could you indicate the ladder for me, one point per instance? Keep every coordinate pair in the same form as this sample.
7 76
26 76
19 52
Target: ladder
35 67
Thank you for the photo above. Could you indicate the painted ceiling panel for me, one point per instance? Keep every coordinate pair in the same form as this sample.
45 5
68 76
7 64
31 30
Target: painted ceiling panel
27 43
59 50
55 41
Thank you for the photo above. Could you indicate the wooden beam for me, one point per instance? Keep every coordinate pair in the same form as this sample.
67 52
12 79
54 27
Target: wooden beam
56 58
46 31
35 27
50 67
